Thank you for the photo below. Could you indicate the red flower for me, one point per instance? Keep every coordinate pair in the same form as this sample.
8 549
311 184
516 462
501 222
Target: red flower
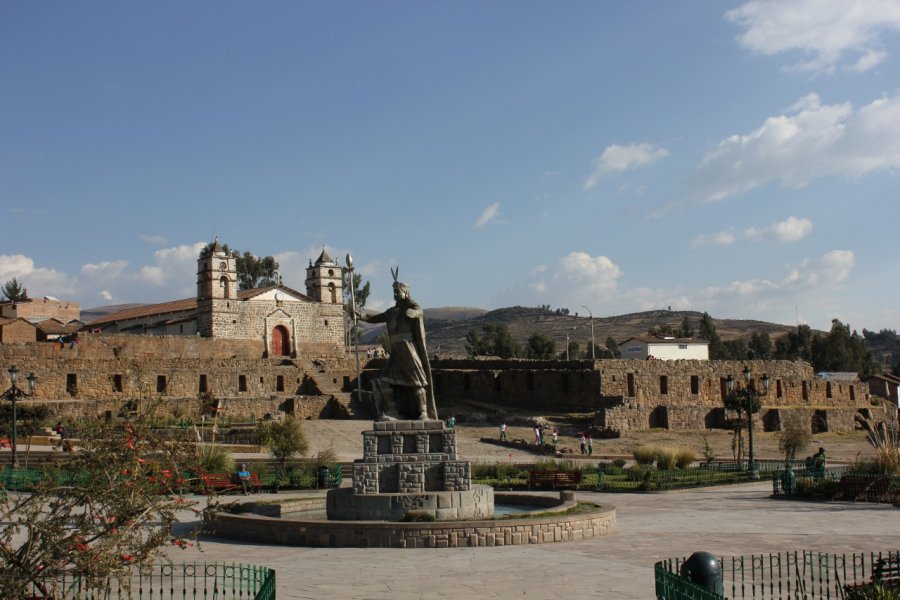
127 557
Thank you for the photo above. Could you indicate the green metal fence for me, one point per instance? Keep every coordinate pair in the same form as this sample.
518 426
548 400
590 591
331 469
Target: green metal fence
799 575
304 477
171 581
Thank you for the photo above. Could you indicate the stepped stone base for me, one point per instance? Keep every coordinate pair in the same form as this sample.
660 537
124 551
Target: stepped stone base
410 466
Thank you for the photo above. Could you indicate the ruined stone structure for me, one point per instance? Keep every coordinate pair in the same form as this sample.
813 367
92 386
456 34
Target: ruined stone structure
287 322
103 372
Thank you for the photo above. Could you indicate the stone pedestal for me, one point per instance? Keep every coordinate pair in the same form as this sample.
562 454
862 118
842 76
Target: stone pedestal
410 466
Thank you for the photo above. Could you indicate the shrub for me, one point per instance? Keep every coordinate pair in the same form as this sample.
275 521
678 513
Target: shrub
283 439
214 459
644 455
811 487
684 457
709 454
326 458
665 458
793 438
872 591
620 462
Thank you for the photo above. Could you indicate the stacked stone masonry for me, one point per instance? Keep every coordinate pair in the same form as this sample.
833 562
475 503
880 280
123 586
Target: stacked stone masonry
625 394
473 533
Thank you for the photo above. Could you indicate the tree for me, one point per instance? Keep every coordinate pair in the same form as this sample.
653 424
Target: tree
707 331
252 271
540 346
494 340
361 294
105 512
793 438
15 292
760 345
572 351
735 349
685 330
613 346
256 272
841 350
795 345
739 401
283 439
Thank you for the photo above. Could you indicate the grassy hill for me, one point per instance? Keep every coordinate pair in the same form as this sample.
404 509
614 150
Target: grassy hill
447 336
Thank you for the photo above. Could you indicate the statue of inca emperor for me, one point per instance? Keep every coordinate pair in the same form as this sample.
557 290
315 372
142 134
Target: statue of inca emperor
404 389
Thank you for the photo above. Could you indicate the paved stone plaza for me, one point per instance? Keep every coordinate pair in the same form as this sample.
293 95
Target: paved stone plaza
730 520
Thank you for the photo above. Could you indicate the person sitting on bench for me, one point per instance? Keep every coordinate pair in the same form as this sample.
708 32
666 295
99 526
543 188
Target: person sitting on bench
244 477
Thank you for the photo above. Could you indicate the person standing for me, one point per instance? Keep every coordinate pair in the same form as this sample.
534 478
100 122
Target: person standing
503 431
590 445
537 434
555 438
582 443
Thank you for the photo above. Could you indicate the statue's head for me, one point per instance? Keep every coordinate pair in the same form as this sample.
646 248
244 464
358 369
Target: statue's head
401 290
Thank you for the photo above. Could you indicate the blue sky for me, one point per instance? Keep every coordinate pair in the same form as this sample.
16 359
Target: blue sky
739 158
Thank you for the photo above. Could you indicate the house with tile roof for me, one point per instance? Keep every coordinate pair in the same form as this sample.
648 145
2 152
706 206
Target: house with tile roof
648 347
286 320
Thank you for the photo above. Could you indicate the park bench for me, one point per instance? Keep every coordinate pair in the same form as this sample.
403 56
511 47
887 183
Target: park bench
554 479
221 483
886 571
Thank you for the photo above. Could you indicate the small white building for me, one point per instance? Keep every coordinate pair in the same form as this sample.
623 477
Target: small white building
649 347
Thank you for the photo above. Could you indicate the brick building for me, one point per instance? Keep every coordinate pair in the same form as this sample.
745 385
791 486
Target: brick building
287 321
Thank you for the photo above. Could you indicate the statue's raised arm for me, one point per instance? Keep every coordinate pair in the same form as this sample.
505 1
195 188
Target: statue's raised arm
404 389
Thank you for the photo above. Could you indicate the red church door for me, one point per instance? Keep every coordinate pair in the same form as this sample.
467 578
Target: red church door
281 343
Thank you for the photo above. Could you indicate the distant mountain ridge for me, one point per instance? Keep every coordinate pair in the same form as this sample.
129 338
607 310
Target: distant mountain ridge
447 336
447 326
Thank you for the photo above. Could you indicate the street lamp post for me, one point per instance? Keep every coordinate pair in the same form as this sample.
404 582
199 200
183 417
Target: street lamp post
13 394
353 331
749 392
593 357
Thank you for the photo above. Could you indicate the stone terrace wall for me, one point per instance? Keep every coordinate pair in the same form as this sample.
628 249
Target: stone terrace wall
632 394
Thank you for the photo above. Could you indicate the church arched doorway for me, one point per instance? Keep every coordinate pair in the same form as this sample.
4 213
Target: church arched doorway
281 341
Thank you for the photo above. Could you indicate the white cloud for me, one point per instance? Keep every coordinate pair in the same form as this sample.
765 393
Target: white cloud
155 239
827 32
106 295
723 238
488 215
811 142
617 159
38 281
789 230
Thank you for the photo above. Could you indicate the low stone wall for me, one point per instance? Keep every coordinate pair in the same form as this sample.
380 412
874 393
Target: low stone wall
376 534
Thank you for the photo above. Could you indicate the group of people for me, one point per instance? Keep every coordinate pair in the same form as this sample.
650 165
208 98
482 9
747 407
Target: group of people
586 444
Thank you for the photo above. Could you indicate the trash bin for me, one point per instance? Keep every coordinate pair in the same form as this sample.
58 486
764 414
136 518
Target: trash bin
705 570
323 478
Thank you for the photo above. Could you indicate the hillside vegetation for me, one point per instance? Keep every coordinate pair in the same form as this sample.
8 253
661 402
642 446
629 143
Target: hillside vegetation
448 336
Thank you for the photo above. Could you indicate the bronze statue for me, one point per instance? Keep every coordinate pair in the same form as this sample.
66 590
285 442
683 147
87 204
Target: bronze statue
404 389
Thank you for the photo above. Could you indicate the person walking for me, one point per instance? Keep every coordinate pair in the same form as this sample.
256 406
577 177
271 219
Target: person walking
537 435
590 445
555 438
582 443
503 432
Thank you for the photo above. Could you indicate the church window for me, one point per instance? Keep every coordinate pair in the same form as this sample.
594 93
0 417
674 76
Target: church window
117 383
203 385
242 383
160 384
279 383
